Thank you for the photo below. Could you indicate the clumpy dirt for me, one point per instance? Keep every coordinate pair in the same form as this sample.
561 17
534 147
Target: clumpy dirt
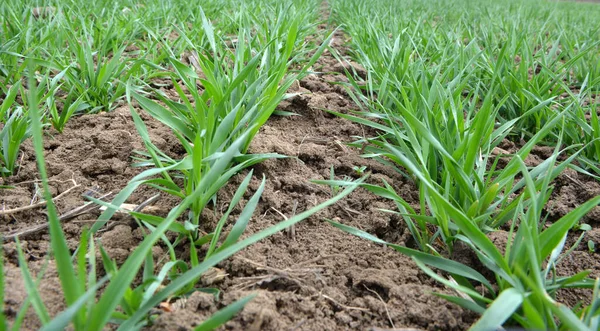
317 279
91 157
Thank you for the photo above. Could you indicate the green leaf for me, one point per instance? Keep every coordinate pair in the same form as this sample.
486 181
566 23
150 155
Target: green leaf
434 261
239 193
567 317
224 315
465 303
552 236
499 311
163 115
62 320
58 242
32 291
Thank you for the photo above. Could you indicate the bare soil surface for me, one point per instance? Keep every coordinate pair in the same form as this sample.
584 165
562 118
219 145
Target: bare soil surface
318 279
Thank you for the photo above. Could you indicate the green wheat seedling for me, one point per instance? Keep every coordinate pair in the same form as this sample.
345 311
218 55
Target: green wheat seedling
246 82
88 307
525 272
444 102
239 90
15 130
444 143
443 89
535 56
96 80
583 127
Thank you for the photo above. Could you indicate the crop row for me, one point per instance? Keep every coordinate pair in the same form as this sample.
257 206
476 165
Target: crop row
230 64
450 81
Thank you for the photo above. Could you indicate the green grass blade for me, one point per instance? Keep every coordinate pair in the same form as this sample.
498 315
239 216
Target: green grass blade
32 291
121 281
550 237
434 261
499 311
58 242
62 320
240 226
222 316
239 193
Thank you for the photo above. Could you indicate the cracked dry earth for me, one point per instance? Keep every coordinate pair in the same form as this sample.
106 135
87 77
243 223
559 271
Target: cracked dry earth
318 279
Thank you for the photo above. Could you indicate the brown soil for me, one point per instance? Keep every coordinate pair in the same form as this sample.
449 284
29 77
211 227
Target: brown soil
321 279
